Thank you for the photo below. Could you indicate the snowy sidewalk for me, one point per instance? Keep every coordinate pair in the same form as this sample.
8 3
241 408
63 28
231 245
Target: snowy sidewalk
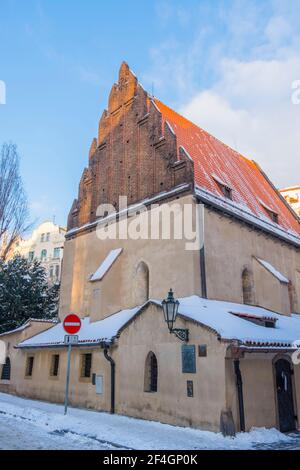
93 430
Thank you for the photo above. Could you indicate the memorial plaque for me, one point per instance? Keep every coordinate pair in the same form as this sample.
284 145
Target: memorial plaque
188 359
202 350
99 384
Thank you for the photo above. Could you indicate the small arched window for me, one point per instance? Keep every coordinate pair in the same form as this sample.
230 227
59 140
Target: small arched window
141 283
248 287
151 373
5 374
43 254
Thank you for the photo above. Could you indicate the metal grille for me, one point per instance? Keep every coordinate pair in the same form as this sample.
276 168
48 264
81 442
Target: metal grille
86 365
55 365
153 373
29 366
5 374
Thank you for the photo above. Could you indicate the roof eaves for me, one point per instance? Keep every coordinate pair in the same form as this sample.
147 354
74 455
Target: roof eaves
222 205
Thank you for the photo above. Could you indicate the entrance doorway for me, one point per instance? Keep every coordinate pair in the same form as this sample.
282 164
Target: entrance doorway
285 401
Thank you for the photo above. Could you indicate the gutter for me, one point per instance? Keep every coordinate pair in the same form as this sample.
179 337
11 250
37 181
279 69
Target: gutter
105 347
239 386
202 253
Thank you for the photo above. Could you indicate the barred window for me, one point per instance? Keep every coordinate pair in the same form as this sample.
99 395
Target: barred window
86 365
151 373
54 365
5 374
29 366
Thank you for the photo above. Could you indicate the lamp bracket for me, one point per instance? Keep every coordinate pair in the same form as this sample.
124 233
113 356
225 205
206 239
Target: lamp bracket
181 333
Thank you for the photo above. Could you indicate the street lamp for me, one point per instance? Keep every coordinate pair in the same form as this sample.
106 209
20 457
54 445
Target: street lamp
170 308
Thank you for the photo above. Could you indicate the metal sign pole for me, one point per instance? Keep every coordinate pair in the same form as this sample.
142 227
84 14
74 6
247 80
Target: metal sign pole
68 378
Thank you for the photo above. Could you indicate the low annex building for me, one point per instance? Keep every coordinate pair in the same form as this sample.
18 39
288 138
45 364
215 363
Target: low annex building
238 290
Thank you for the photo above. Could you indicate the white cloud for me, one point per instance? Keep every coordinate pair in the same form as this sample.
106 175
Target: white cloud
251 109
238 84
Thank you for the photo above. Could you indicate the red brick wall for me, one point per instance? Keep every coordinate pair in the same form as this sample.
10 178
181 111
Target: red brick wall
132 156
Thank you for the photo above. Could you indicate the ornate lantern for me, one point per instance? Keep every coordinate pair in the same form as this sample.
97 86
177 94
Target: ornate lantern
170 308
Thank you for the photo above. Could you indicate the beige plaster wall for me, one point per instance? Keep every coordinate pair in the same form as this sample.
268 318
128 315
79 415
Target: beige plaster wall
170 403
170 265
259 390
11 340
81 390
230 247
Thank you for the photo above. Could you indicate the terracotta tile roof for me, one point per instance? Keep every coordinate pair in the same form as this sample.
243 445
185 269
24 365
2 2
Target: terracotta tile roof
214 161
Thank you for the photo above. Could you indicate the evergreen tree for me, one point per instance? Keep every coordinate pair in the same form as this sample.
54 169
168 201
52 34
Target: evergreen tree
25 293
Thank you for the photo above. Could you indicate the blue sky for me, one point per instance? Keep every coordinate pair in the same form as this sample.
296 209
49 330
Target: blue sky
228 65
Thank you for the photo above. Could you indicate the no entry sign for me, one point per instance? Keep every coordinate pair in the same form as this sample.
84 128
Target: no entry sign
72 324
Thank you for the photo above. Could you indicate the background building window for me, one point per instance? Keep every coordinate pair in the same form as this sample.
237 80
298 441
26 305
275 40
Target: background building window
5 374
47 236
151 373
51 271
56 253
248 287
42 237
57 271
43 254
31 255
86 365
29 366
54 365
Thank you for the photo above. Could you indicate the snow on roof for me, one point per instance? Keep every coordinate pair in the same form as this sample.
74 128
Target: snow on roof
16 330
224 318
273 271
90 332
27 324
220 181
219 316
106 265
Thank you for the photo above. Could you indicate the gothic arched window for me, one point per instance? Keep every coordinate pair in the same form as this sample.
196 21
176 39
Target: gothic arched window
151 373
248 287
5 374
141 283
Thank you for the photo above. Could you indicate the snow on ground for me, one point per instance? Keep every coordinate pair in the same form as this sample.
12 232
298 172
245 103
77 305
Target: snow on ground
44 426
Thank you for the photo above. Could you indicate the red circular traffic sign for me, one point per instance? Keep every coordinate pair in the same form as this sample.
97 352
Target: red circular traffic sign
72 324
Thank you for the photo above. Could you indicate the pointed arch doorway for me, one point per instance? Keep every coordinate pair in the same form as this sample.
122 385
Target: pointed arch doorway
285 395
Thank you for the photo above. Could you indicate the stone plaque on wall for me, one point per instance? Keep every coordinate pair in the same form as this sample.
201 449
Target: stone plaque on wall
99 384
188 353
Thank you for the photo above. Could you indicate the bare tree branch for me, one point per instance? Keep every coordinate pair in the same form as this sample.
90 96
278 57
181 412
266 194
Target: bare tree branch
13 200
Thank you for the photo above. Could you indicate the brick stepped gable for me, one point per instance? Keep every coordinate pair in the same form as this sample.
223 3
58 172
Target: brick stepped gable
135 153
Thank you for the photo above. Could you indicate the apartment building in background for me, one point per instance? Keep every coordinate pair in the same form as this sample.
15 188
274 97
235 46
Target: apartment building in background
292 197
45 244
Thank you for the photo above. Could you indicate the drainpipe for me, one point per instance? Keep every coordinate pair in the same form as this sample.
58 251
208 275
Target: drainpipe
202 252
239 386
105 348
